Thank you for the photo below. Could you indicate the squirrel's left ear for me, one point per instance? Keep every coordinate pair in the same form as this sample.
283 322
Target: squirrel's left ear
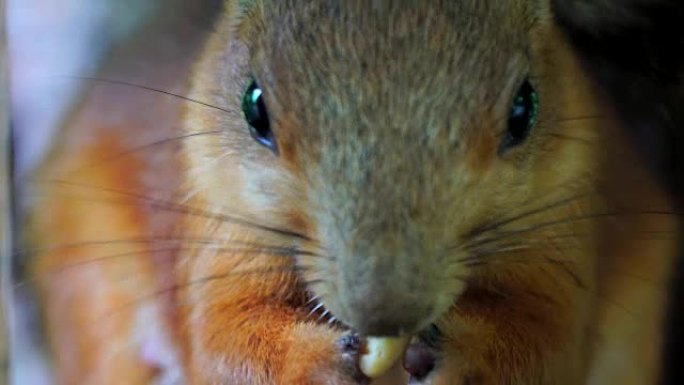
643 36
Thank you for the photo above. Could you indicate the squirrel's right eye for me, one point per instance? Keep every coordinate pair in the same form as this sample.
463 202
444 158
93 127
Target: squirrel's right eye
522 117
254 108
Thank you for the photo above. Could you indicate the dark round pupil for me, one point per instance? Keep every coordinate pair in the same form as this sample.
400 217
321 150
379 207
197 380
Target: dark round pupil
523 115
254 108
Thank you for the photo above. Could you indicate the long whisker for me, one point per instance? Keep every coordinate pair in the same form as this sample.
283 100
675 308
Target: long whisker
184 209
147 88
145 147
501 257
564 265
553 240
311 300
579 118
258 250
314 310
160 239
570 219
491 250
324 315
508 220
202 281
569 137
494 247
192 193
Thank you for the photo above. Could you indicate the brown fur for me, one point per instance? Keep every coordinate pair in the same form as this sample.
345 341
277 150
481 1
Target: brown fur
388 118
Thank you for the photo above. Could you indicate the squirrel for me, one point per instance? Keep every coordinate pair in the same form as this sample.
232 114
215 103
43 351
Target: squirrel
346 191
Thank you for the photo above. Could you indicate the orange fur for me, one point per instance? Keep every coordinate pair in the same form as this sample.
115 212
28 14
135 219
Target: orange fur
235 316
90 302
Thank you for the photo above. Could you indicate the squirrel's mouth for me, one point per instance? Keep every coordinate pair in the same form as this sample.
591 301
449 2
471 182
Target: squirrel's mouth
393 301
379 353
394 312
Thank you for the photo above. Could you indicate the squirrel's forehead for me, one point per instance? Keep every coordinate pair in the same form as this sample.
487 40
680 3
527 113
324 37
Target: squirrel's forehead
386 21
379 52
455 36
339 10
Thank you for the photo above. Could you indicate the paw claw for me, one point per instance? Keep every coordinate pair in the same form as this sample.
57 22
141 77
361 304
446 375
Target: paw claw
350 343
351 346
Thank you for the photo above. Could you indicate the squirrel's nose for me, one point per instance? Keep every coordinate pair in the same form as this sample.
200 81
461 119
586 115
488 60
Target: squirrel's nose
389 316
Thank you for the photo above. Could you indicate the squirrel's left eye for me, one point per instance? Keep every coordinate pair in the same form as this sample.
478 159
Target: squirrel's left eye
522 117
256 115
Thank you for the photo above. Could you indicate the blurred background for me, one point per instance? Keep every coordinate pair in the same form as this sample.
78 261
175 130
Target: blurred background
50 42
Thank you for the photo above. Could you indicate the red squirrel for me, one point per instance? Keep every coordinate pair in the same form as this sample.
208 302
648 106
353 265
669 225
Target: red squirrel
352 191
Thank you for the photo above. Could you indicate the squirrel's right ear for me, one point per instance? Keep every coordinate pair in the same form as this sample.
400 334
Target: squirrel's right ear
643 36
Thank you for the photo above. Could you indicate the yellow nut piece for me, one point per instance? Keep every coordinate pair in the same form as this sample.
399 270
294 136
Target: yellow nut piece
381 354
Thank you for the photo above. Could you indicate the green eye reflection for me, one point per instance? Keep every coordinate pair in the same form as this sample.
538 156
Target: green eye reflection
522 117
256 115
256 95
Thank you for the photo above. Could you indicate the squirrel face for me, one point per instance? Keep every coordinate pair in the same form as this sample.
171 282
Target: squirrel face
389 133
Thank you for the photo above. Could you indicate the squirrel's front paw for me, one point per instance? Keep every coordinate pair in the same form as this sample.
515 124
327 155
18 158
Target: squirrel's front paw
318 355
419 362
426 365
